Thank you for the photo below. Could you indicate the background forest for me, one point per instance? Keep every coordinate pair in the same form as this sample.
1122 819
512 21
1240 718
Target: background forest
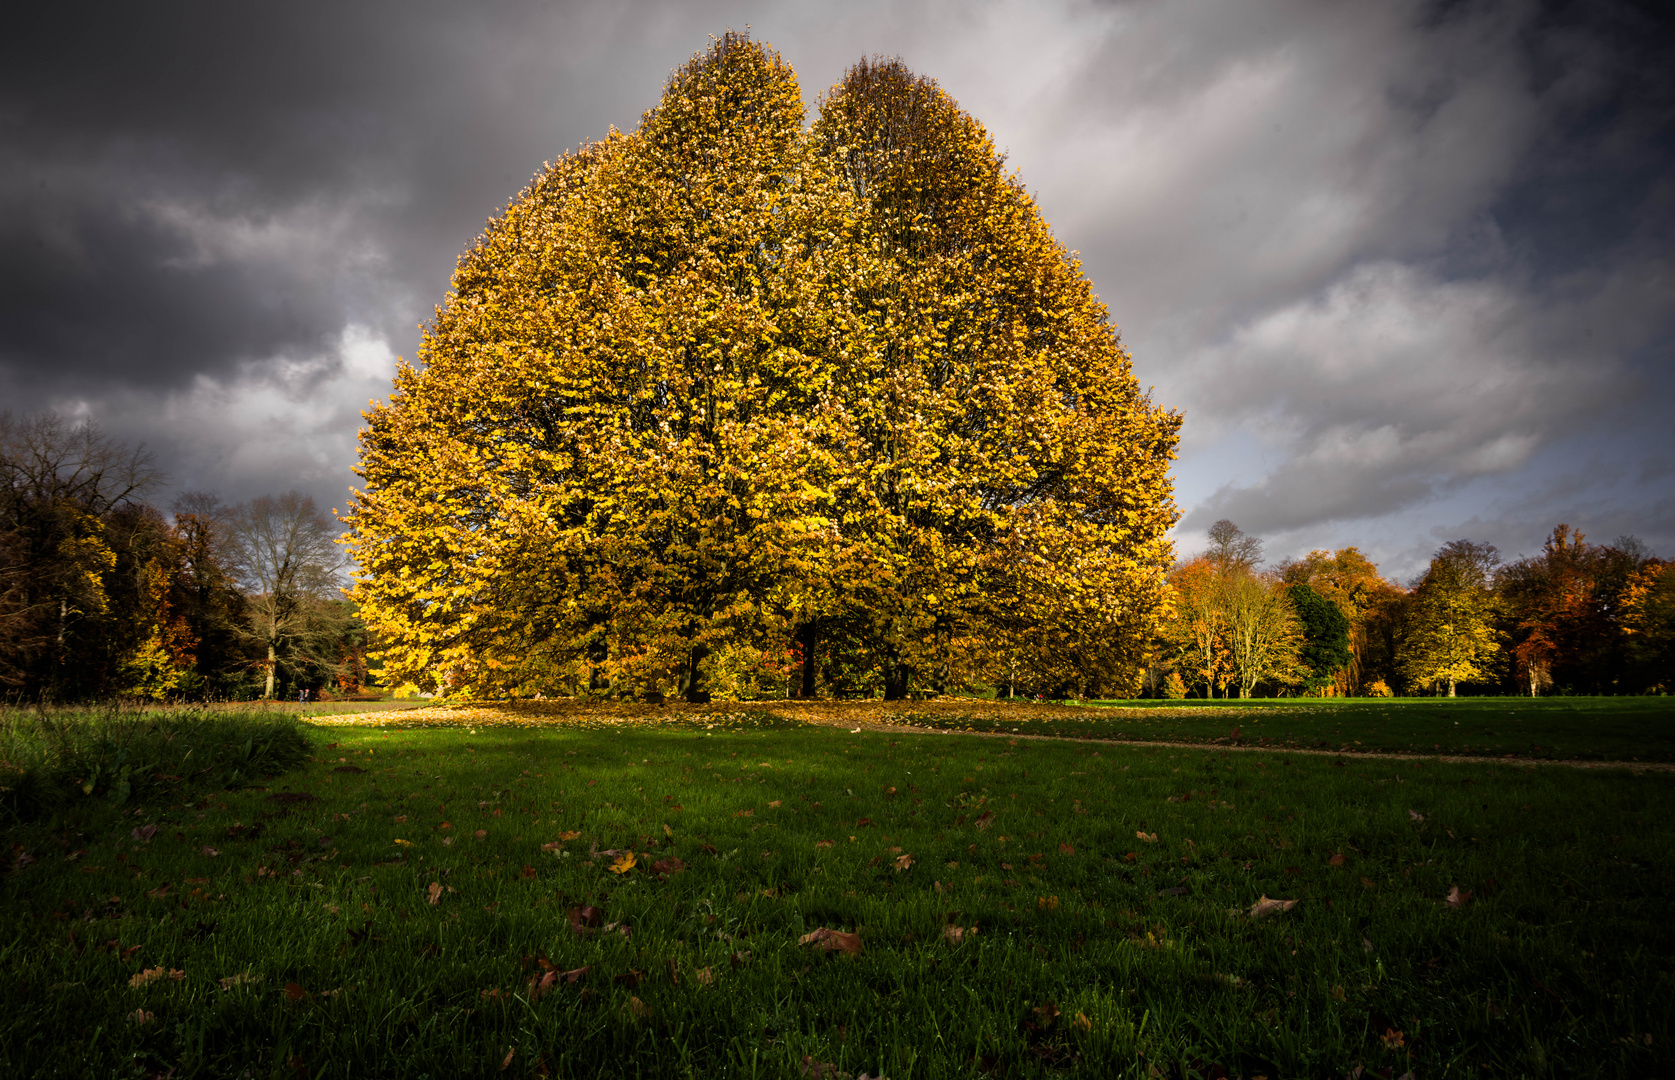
103 595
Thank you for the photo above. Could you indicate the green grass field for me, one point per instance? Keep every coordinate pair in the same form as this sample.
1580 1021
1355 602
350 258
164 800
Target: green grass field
446 901
1609 729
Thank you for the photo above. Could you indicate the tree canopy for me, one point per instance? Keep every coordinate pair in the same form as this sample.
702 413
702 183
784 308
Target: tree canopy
730 381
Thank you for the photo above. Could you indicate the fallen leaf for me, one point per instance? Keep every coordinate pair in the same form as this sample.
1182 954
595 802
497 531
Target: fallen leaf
1264 907
637 1008
150 975
671 865
623 863
504 1065
826 940
863 821
435 893
1148 837
631 978
985 819
818 1070
1066 849
1048 1013
1047 903
584 920
480 833
1416 816
957 934
294 992
1458 899
774 804
822 843
904 861
1082 1022
703 976
1392 1039
230 981
574 974
140 1018
745 813
1337 860
207 850
144 832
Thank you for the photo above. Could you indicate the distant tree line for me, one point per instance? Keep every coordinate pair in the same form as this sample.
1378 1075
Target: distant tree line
103 595
1579 618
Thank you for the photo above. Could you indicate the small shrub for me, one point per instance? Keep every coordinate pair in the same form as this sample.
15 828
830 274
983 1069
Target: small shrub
1174 687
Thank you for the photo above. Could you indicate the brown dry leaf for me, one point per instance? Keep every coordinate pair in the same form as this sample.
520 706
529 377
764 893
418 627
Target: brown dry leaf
631 978
230 981
774 804
1048 1013
1047 903
506 1064
1458 899
209 851
1392 1039
1264 907
818 1070
1337 860
294 992
1083 1024
957 934
985 819
435 891
745 813
1066 849
822 843
637 1008
574 974
140 1018
671 865
150 975
703 976
826 940
584 919
903 861
1415 815
1148 837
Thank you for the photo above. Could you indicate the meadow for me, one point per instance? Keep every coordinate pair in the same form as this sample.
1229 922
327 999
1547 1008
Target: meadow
494 891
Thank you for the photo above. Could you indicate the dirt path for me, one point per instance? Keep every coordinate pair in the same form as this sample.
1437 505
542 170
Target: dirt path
1385 755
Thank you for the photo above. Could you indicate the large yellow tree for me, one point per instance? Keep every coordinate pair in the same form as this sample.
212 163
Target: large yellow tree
728 377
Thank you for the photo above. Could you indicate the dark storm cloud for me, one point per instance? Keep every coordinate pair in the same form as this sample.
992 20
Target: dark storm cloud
1405 265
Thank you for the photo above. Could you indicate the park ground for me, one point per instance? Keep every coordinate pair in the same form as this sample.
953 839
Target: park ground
825 889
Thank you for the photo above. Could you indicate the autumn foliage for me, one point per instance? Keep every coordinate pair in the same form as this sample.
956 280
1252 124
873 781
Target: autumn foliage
730 382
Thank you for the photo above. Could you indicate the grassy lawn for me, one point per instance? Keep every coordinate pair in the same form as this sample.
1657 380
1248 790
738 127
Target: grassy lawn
1610 729
528 894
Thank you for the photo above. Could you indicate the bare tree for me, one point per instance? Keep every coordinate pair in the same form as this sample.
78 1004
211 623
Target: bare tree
282 549
1231 548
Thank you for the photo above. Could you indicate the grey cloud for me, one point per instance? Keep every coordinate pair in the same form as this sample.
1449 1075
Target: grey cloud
1409 247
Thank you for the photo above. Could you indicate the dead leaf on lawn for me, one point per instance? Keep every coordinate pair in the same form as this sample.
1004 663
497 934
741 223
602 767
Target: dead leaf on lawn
957 934
903 861
294 992
826 940
623 863
435 891
822 843
506 1064
1416 815
1458 899
1265 907
703 976
1148 837
140 1018
671 865
584 920
230 981
1337 860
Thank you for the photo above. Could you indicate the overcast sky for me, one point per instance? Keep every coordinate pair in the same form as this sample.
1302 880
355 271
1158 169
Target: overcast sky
1408 268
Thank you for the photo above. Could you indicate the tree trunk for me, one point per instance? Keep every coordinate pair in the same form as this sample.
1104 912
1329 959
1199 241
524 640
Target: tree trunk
596 655
692 676
896 675
1450 687
808 636
272 664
